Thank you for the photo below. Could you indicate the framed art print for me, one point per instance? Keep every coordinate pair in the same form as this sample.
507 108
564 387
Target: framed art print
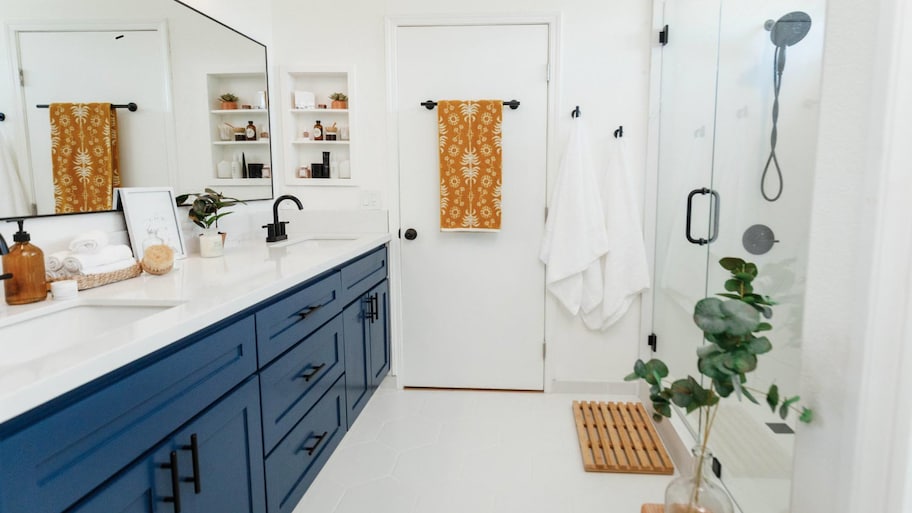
151 215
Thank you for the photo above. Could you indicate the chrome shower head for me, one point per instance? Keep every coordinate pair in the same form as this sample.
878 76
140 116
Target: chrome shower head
789 29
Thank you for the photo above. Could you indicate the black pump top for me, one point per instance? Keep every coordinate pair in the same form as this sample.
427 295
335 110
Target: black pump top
21 235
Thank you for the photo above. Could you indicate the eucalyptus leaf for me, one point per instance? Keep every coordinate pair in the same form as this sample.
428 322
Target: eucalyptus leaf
760 345
731 263
745 277
712 315
807 415
764 326
734 286
772 397
751 269
784 409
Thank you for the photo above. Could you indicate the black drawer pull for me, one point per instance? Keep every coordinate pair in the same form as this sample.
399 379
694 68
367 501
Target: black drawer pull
309 310
194 453
376 307
316 370
175 483
310 450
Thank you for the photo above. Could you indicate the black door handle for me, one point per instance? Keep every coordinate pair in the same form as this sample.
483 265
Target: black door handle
194 454
175 498
316 370
715 225
411 234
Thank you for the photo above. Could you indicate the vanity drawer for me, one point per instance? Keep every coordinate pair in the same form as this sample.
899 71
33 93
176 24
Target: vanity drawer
292 384
360 275
287 321
298 458
73 446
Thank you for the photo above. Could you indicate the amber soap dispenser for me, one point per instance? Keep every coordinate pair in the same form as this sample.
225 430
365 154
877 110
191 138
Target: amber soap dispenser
25 262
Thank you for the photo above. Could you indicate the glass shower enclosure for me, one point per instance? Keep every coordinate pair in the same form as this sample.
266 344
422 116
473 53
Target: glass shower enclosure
737 132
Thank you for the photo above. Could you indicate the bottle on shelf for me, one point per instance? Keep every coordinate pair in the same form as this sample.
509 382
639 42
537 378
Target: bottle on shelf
318 131
236 167
251 131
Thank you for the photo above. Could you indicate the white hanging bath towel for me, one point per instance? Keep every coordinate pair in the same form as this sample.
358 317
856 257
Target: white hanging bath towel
624 268
575 236
14 200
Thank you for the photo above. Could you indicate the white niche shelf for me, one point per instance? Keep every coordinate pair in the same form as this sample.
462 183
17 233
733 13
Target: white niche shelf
301 149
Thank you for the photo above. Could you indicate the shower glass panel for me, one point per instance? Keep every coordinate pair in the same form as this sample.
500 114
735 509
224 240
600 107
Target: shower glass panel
720 71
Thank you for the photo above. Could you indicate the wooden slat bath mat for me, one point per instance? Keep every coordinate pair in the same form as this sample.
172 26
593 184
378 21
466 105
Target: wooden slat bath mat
619 437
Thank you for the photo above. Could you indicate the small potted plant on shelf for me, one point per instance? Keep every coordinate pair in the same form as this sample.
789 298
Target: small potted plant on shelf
228 101
733 329
339 101
205 211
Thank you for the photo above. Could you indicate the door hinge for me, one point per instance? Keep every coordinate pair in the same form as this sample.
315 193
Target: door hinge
548 73
717 467
544 350
652 341
21 78
400 233
546 213
663 36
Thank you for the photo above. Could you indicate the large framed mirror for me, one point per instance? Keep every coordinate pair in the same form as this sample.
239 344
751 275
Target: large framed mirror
168 60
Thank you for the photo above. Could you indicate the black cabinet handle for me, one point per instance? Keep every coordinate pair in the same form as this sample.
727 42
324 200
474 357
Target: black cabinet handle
309 310
375 303
194 454
371 309
715 225
310 450
175 483
307 377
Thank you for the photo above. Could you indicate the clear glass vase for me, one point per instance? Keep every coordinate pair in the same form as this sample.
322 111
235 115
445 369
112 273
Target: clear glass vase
698 491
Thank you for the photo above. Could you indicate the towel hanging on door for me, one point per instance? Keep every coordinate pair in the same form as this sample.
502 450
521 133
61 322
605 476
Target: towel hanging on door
84 155
469 142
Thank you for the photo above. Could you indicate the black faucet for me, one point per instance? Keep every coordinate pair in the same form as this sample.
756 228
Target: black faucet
4 250
276 231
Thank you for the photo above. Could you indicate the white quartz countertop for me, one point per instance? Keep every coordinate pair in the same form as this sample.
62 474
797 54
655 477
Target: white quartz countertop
196 294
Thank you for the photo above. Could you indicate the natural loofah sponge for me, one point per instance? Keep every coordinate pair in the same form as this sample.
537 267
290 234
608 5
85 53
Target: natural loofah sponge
158 259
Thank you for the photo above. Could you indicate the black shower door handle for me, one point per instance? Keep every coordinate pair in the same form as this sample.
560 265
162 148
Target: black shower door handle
714 234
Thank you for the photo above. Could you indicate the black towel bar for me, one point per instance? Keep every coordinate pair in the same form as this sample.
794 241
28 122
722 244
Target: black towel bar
132 107
430 104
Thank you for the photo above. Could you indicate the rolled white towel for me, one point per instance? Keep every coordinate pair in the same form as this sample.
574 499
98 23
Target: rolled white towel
54 261
89 242
78 262
109 268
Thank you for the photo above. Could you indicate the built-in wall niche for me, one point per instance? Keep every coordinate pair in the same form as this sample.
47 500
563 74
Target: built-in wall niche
317 131
239 132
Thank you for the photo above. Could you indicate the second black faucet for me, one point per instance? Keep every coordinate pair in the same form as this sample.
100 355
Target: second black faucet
276 230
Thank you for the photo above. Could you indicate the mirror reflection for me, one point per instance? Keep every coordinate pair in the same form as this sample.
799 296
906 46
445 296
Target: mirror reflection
69 135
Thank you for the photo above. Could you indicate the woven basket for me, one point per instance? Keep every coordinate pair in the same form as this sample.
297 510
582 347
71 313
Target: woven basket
89 281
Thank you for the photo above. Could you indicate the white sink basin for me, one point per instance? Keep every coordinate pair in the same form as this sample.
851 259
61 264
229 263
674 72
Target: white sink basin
315 242
65 325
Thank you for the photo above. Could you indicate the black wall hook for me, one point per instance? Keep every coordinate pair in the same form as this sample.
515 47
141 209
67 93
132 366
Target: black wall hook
619 132
576 112
2 116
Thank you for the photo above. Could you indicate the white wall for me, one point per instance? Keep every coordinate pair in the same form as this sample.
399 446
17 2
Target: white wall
852 350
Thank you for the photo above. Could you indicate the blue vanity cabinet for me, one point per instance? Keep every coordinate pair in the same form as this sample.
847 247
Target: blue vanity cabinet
214 464
56 454
366 319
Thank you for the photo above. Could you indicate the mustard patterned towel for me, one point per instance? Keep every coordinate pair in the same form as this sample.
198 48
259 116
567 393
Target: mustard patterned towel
469 136
85 156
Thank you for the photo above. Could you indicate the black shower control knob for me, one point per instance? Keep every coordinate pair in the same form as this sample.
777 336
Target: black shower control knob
411 234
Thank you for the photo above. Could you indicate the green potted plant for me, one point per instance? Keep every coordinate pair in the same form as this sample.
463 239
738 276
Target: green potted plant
205 211
339 101
733 326
228 101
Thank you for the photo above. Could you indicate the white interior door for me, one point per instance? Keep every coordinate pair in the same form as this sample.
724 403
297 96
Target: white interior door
473 303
